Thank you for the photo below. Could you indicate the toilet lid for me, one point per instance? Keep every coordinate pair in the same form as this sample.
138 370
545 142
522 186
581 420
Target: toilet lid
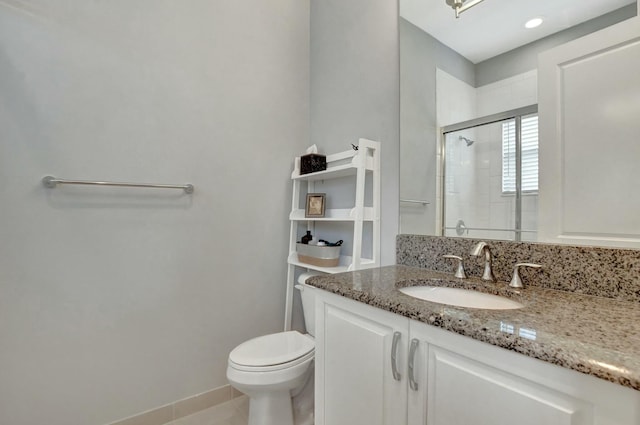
272 349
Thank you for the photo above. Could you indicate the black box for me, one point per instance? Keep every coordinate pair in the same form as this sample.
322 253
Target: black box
312 162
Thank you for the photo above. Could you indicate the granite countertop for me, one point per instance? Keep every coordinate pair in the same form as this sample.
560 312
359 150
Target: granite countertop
593 335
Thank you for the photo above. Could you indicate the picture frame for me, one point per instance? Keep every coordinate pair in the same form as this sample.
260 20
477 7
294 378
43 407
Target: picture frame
315 205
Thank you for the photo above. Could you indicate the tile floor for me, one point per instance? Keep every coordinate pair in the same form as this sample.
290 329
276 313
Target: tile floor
233 412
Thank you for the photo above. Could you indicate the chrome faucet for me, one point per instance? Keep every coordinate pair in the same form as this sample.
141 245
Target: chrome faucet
460 273
516 281
477 251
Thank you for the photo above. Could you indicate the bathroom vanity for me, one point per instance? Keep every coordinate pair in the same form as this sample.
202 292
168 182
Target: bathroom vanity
383 357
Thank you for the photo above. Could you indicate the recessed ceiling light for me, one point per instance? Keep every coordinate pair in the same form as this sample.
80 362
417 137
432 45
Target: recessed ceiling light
532 23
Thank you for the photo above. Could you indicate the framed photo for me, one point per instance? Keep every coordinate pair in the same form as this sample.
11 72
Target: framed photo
315 205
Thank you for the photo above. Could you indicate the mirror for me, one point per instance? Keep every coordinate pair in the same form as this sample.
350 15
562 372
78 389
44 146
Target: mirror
458 77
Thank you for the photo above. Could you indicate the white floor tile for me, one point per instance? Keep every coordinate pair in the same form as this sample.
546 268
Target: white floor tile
234 412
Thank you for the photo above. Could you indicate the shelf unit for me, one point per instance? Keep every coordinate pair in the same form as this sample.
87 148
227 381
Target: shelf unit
352 163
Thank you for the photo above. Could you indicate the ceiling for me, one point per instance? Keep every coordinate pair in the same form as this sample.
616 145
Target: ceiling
497 26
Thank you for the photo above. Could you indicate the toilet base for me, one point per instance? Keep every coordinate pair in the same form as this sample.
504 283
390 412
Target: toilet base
303 401
279 393
272 408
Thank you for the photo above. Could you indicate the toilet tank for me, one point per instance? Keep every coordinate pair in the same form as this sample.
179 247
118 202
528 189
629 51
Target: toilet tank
307 294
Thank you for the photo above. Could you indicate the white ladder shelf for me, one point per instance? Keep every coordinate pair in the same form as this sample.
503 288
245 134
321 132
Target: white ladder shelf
356 163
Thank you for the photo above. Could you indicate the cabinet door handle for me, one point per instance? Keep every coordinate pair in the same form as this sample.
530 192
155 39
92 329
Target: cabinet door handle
394 352
413 384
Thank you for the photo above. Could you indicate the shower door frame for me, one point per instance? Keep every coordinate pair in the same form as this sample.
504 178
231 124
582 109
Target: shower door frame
515 114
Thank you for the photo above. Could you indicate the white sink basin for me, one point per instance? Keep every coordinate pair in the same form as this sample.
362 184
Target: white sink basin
460 297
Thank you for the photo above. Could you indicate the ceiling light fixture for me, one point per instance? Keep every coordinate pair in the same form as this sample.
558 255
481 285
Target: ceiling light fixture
532 23
461 5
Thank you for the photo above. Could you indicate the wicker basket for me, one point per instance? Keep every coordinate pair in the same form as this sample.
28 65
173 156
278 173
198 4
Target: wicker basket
321 256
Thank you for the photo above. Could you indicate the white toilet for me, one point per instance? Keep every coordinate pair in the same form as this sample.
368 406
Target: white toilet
275 369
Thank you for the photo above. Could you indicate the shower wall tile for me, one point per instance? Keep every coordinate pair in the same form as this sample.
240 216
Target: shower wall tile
510 93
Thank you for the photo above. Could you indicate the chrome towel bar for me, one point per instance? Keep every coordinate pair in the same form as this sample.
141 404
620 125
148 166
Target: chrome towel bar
415 201
51 182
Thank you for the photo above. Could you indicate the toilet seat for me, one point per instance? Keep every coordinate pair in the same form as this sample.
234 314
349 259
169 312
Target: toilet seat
272 368
272 352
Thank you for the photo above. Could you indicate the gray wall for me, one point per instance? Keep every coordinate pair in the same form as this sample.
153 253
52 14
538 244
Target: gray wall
420 56
525 58
355 89
115 301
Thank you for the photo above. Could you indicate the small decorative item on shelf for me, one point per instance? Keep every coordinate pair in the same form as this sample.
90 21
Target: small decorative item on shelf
315 205
307 238
322 242
312 163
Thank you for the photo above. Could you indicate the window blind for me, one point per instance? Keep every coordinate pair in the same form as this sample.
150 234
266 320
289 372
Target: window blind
529 150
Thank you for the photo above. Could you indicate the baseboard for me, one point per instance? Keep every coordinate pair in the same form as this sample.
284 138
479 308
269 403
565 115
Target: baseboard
178 409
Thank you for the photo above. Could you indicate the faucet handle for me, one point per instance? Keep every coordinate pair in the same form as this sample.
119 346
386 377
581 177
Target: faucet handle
516 281
460 270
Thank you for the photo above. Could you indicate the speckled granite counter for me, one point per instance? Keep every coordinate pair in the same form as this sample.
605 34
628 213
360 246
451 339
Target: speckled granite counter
593 335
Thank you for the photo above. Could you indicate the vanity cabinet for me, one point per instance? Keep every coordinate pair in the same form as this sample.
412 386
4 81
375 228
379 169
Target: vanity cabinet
456 380
355 361
463 381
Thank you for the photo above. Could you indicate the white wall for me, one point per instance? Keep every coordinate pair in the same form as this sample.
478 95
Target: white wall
355 89
114 301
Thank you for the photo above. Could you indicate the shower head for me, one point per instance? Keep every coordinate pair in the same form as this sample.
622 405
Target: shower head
469 142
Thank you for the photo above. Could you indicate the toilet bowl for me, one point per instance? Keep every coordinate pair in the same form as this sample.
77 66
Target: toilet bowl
270 369
274 370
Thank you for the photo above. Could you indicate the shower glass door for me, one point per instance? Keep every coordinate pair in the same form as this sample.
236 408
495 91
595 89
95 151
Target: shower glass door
490 177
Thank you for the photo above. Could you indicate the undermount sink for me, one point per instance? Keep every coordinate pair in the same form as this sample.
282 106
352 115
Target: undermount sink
460 297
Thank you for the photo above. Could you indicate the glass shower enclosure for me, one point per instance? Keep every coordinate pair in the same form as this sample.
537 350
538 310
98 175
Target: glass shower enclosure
490 176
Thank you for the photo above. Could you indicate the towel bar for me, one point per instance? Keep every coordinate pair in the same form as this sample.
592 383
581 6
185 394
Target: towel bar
51 182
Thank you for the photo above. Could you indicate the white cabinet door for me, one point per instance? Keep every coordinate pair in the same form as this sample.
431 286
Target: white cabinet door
589 104
464 391
462 381
355 383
